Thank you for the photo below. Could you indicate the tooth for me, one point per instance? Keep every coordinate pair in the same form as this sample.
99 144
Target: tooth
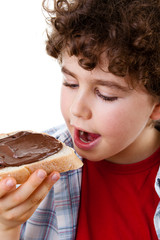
81 133
83 136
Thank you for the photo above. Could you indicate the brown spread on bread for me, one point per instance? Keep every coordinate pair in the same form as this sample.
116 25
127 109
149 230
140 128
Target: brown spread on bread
27 147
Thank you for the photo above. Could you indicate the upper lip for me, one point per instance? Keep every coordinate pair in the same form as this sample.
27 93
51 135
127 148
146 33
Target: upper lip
76 127
81 129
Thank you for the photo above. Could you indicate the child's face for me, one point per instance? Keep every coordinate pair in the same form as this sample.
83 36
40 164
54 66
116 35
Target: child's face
106 119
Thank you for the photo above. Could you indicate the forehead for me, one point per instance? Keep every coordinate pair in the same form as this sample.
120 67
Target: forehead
70 65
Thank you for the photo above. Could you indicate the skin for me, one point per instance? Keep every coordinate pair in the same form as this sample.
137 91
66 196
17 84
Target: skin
97 102
102 103
17 205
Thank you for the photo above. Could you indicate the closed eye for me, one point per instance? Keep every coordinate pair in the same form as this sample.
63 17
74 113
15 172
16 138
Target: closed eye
105 98
71 85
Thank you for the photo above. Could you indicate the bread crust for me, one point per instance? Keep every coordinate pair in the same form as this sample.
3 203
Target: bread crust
62 161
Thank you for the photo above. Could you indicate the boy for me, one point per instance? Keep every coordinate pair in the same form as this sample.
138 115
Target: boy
109 52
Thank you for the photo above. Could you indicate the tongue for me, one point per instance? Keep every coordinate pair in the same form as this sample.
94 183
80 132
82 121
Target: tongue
88 137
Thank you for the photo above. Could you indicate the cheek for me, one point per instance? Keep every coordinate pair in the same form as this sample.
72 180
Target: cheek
112 122
65 101
116 121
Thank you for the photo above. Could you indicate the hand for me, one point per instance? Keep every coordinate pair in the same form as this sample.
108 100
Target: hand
17 205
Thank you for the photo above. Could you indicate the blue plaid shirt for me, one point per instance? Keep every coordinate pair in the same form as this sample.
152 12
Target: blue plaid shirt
56 217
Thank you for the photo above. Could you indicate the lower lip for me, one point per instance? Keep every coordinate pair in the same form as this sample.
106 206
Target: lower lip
82 145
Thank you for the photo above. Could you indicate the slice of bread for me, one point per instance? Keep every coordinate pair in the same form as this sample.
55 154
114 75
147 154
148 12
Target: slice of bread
62 161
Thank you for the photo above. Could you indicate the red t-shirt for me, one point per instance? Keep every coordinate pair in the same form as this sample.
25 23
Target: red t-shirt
118 202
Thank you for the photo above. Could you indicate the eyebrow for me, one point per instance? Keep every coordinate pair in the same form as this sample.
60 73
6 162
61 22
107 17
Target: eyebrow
107 83
65 70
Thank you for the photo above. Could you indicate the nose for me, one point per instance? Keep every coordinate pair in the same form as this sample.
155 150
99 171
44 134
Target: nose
81 106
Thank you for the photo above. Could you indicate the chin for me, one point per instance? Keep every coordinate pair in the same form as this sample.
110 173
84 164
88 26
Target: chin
88 155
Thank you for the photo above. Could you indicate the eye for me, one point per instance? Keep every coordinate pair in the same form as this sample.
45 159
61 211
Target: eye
105 98
70 85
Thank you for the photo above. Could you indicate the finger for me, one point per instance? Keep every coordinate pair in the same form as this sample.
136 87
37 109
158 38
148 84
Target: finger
24 191
44 188
6 185
40 193
23 211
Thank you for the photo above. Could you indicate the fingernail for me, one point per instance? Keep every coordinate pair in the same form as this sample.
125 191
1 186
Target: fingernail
55 176
9 183
41 174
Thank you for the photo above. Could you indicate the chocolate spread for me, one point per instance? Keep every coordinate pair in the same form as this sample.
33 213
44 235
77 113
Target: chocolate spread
26 147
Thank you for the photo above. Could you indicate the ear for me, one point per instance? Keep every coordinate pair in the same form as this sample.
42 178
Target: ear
156 112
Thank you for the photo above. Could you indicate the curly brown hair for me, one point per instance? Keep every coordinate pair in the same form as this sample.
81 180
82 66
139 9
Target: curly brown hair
128 31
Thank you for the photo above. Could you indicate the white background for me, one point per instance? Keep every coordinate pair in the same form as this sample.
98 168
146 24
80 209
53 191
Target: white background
30 80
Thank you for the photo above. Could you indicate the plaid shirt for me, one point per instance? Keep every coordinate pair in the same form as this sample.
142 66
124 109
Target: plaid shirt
56 217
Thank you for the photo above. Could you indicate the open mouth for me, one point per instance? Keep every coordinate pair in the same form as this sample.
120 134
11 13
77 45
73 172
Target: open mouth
87 137
85 140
